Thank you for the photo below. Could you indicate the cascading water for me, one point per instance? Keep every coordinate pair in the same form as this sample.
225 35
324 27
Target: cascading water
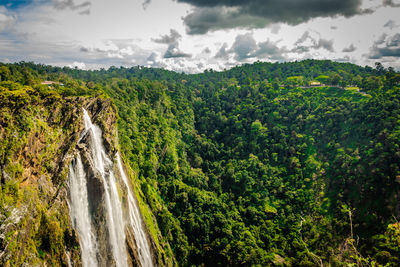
115 220
136 222
79 208
94 251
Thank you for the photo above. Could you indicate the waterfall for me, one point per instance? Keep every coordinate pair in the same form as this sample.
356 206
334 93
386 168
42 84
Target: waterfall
101 166
79 212
115 220
136 222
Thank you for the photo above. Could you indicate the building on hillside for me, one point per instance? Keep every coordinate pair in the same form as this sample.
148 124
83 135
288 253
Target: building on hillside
51 83
314 83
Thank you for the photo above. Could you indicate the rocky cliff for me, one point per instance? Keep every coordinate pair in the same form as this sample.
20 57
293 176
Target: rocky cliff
40 138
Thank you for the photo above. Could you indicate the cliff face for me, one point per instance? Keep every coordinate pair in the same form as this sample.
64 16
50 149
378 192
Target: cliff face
41 137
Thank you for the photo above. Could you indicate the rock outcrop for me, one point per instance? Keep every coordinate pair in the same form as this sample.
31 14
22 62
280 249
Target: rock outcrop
40 138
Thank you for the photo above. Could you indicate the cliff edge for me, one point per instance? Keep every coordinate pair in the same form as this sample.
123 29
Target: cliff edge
40 135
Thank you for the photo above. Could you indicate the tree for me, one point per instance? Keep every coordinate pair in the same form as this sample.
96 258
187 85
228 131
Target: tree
335 78
372 83
380 68
324 79
5 73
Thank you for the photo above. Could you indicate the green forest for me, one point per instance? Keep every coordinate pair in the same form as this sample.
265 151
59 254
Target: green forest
288 164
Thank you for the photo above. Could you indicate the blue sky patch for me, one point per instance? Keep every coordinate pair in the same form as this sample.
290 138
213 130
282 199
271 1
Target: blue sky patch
13 4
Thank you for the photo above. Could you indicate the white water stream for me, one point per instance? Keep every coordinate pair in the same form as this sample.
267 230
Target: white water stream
115 221
79 212
136 222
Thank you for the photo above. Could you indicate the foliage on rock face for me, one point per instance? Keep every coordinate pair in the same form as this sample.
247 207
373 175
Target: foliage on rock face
250 165
39 126
34 126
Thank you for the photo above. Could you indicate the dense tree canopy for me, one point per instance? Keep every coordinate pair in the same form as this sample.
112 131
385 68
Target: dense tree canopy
253 165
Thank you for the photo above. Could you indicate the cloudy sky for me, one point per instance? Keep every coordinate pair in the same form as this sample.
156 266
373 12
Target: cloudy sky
193 35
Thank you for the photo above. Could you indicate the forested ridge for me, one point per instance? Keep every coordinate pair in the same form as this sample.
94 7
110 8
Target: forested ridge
293 164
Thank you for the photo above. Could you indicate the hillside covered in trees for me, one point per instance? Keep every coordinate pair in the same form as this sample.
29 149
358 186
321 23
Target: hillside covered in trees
292 164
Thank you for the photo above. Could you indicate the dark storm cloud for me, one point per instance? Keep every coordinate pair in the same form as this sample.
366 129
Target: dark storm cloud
394 41
222 14
152 57
301 49
381 39
390 3
315 44
173 37
390 48
84 49
326 44
378 53
311 6
213 18
245 46
173 51
223 52
306 35
270 50
172 40
349 49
